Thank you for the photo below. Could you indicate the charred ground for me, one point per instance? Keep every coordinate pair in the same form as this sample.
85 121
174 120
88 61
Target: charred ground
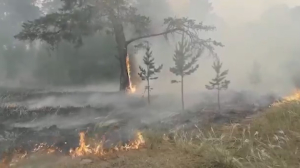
26 123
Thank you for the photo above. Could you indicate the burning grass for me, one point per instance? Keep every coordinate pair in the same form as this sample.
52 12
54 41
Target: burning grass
269 140
88 147
97 148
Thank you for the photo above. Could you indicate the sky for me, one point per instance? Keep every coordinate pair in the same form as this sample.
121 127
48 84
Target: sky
253 31
246 10
236 10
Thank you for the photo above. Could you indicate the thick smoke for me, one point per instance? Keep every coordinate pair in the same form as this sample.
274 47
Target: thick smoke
266 32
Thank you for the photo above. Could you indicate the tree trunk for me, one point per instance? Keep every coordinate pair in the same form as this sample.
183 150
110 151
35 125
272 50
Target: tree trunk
148 90
122 52
182 95
219 106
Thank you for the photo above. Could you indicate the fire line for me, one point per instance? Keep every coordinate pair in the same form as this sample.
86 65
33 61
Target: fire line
131 88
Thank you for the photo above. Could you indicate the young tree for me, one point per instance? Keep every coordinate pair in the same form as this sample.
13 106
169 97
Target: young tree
218 83
150 70
79 18
185 60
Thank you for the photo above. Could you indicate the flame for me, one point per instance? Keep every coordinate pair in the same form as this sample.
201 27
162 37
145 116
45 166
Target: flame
84 149
131 88
292 98
98 149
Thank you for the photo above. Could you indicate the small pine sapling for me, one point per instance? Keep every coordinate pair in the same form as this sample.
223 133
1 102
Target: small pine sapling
219 82
150 70
185 61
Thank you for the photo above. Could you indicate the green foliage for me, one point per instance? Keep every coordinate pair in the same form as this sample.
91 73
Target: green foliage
219 82
185 59
150 70
77 19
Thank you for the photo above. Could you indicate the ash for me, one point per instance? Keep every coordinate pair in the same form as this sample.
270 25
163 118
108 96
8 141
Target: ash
31 117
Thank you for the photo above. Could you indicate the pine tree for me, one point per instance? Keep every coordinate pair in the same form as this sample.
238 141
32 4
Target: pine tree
77 19
219 82
150 70
185 61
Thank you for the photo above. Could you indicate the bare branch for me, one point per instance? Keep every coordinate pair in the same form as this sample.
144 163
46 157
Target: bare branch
152 35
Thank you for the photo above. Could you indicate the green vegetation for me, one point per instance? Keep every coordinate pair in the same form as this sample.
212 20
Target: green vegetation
78 19
218 83
185 59
148 73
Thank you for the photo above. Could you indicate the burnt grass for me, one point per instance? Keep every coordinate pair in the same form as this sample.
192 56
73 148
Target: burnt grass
19 138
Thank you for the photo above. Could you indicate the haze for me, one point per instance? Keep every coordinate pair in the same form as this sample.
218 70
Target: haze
262 31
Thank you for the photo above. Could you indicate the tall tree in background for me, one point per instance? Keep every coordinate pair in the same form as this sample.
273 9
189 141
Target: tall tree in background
185 61
150 70
14 56
219 82
78 18
255 75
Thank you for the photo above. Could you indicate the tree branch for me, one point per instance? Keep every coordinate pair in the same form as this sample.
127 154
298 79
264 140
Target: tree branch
152 35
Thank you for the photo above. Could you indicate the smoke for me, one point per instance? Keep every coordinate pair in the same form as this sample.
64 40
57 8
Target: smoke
266 32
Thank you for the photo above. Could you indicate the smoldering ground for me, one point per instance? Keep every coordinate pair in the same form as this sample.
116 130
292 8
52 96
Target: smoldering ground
260 39
85 108
57 119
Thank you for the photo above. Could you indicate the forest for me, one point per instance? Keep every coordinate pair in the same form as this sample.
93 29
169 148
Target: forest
149 83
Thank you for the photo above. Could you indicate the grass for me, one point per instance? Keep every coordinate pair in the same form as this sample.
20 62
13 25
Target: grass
270 140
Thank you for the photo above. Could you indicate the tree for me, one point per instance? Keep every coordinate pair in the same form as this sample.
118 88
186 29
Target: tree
150 70
254 76
218 83
79 18
14 56
185 61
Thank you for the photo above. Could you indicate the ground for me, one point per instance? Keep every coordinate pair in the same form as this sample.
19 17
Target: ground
267 139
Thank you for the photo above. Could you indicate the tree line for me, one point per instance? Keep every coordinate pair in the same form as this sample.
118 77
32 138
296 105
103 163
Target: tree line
77 19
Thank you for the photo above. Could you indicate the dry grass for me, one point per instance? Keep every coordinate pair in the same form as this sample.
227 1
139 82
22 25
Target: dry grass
270 140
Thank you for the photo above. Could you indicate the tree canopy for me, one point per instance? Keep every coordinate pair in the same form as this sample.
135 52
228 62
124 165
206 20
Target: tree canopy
77 19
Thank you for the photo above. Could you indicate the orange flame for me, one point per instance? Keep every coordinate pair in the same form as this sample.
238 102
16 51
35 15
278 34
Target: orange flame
84 149
292 98
98 150
131 88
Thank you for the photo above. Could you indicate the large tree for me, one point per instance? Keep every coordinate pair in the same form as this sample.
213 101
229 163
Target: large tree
13 53
79 18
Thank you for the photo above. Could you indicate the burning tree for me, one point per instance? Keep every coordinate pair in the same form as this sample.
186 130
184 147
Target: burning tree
185 60
218 83
150 70
78 18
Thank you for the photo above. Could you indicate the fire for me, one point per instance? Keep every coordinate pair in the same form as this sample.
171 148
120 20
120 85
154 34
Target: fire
98 149
92 148
292 98
131 88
